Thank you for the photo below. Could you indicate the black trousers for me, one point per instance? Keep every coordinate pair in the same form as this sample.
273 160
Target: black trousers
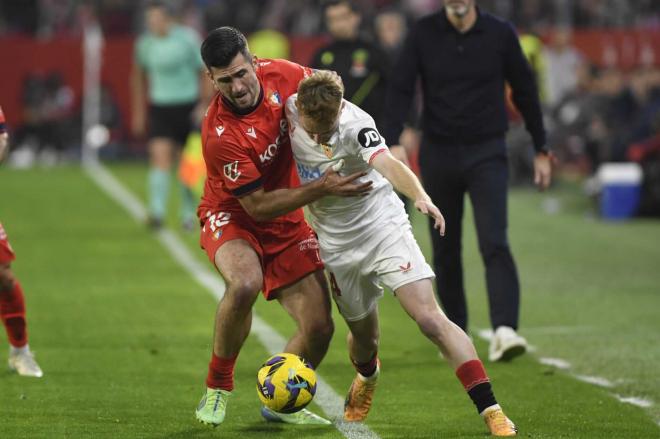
480 169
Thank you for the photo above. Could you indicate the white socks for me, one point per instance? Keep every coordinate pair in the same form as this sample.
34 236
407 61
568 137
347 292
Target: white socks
16 351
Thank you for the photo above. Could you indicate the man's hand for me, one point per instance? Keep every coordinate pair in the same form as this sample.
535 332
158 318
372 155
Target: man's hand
428 208
399 153
331 183
542 170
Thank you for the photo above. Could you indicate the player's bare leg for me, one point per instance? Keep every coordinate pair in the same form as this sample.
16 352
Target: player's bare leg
419 301
308 302
363 337
363 340
12 314
240 266
161 151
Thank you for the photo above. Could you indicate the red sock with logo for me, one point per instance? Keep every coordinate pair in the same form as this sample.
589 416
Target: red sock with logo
221 373
12 313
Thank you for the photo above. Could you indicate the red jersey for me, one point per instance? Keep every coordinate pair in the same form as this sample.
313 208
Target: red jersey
246 152
6 252
3 128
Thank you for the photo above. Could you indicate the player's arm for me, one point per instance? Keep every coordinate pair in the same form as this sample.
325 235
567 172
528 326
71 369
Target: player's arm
4 143
406 182
4 136
262 205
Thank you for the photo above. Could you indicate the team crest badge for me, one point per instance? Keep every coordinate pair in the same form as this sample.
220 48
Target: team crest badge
274 98
327 149
359 66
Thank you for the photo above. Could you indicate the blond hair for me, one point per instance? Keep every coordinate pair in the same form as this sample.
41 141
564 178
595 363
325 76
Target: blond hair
320 96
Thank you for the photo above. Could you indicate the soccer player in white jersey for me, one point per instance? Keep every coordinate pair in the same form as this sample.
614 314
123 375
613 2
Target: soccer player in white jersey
367 241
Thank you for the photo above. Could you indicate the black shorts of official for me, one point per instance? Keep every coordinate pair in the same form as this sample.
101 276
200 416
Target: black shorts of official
173 122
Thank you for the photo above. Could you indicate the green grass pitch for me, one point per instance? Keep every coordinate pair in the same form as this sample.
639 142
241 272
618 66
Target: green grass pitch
123 333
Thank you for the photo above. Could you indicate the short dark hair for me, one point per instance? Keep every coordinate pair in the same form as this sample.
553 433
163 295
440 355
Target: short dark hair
160 4
222 45
351 4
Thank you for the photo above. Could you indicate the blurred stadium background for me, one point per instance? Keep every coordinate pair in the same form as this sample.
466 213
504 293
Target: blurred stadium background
121 318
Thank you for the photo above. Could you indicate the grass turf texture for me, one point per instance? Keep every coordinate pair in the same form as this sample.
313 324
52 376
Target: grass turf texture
123 333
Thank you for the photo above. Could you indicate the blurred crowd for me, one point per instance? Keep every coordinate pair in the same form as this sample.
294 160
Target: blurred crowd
49 18
594 114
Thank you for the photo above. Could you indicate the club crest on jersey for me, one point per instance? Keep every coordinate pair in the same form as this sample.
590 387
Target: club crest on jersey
308 173
327 149
369 137
274 98
231 171
359 66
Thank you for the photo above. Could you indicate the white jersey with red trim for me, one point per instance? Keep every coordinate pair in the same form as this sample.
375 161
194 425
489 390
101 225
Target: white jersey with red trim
341 222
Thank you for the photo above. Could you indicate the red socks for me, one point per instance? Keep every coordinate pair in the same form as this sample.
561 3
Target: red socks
12 313
471 373
366 369
476 383
221 373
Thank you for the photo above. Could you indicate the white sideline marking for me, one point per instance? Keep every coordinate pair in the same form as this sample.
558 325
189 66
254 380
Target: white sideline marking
639 402
555 362
597 381
487 334
326 398
551 330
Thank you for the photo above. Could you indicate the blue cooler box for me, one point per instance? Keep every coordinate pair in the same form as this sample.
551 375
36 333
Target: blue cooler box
621 185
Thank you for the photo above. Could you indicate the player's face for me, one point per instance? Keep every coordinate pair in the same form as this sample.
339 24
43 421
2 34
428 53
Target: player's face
459 8
319 131
341 21
157 20
238 82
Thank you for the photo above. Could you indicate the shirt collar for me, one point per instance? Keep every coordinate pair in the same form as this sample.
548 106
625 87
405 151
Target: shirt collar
447 26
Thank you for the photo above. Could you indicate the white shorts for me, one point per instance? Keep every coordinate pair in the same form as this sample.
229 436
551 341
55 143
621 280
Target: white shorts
391 257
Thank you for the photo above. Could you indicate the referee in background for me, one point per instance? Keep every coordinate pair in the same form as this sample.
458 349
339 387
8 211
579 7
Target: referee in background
464 58
362 65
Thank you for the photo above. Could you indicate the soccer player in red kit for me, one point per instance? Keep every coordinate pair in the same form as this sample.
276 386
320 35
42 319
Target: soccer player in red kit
253 229
12 303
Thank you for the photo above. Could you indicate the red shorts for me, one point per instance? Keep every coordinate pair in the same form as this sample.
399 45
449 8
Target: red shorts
6 252
288 251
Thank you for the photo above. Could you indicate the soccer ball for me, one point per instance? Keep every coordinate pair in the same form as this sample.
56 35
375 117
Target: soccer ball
286 383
